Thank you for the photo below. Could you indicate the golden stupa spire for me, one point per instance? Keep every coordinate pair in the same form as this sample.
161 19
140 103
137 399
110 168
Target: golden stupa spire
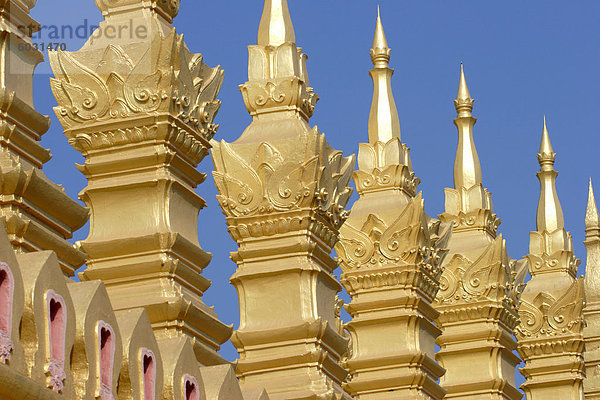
592 219
276 24
383 118
549 213
467 169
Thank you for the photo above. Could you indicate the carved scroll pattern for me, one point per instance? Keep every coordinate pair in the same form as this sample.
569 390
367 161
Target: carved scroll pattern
118 88
548 253
408 240
385 165
273 182
491 277
546 316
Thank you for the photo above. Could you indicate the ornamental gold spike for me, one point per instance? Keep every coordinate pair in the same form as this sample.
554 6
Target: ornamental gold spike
549 212
467 169
546 155
463 102
384 123
380 45
592 219
276 24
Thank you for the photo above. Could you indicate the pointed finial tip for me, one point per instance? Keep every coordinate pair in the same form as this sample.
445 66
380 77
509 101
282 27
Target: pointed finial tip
545 145
463 90
379 41
592 219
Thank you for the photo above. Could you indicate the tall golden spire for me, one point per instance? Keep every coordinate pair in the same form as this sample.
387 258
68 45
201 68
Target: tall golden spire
383 118
592 219
467 169
549 212
276 24
591 310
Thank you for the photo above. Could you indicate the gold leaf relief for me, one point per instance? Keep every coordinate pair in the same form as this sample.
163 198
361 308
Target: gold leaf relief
292 182
532 318
567 310
487 272
405 235
244 193
450 279
85 100
354 246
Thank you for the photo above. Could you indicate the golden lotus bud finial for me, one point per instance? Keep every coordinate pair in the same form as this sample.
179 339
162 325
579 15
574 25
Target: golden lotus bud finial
380 53
463 102
546 155
276 24
592 218
384 123
549 213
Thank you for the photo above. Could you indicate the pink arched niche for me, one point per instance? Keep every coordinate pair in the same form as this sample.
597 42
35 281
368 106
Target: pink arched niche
7 289
57 329
148 363
106 359
191 391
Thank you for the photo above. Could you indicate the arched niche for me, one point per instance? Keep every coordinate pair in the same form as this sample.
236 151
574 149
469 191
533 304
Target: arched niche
182 380
11 306
97 350
48 323
141 376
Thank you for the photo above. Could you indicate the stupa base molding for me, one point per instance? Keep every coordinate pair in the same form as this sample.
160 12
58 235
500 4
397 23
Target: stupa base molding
167 284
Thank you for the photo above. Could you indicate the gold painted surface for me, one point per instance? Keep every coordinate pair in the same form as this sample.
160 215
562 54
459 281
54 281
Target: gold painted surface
92 306
283 190
141 111
480 285
36 212
383 118
390 252
550 335
591 311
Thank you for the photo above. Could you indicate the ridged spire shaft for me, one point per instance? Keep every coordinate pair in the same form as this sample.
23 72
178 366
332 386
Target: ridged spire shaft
467 169
549 212
276 24
384 123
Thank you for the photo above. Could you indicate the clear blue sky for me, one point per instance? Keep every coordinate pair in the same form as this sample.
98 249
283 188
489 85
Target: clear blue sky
522 60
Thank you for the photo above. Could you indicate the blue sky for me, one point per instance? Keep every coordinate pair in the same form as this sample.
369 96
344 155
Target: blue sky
522 60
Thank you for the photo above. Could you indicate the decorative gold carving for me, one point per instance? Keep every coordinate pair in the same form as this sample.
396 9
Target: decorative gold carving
385 165
490 277
272 182
480 285
551 332
116 88
547 316
406 241
390 252
141 110
283 190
